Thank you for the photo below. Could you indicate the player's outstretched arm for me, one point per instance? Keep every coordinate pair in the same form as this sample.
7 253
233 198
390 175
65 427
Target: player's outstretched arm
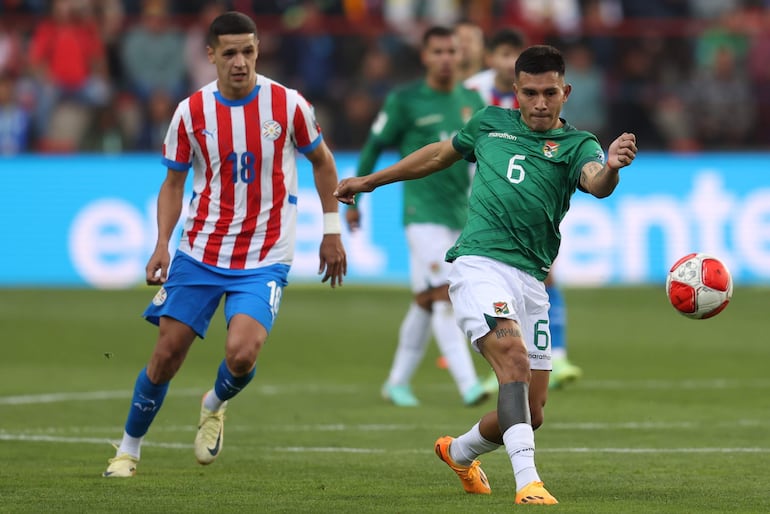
169 209
601 180
332 258
420 163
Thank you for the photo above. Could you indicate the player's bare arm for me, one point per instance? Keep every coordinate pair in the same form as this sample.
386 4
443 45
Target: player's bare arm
169 209
601 180
332 258
423 162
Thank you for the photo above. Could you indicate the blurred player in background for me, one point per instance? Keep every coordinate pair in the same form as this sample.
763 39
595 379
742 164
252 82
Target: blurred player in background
429 110
470 39
529 164
240 134
495 85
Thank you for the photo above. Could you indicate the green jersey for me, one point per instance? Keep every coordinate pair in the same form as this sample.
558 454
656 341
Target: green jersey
413 116
521 189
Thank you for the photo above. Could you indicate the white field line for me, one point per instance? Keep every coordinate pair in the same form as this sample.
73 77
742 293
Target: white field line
89 432
5 436
272 390
266 390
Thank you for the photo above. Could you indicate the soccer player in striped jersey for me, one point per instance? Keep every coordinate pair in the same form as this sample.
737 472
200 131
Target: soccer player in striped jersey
240 135
529 163
418 113
495 86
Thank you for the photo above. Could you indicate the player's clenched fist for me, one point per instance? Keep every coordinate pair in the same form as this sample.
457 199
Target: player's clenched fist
348 188
622 151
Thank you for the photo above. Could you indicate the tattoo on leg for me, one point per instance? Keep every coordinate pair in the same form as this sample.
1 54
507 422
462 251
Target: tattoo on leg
502 332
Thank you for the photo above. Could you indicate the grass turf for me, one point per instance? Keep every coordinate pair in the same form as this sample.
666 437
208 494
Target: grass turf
672 415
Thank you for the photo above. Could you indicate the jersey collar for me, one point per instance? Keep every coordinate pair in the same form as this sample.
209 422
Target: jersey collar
237 103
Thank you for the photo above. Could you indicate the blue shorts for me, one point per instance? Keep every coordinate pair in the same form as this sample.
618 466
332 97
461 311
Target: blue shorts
193 291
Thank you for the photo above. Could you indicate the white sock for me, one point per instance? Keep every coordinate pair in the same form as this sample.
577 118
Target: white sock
467 447
454 346
212 402
413 338
130 445
520 445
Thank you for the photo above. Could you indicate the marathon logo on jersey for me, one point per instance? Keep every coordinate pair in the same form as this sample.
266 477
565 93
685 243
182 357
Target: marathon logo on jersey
501 308
160 297
503 135
271 130
550 148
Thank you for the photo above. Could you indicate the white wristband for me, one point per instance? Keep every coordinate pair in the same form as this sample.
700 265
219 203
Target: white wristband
332 223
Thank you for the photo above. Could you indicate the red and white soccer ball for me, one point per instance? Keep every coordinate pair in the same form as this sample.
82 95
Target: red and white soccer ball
699 286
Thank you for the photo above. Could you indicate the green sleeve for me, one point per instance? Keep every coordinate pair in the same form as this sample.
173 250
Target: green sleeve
386 131
368 156
465 139
590 150
366 161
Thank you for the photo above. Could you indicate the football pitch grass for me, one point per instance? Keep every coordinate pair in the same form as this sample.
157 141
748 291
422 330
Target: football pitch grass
672 415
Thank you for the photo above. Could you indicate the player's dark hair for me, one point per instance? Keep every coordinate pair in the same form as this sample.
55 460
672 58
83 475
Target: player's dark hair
230 23
435 31
540 59
507 36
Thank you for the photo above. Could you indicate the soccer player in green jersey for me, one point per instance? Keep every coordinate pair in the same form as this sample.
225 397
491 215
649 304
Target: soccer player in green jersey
528 164
495 86
435 208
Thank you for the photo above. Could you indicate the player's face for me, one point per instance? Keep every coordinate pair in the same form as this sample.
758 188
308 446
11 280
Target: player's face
541 98
470 41
236 60
440 58
503 60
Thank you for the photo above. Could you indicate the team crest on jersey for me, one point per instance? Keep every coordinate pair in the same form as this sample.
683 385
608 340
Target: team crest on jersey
550 148
160 297
271 130
501 308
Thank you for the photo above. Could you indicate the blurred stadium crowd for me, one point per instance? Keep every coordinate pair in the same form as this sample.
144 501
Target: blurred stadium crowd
105 75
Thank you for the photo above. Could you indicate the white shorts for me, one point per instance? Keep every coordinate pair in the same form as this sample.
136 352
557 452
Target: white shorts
428 244
482 288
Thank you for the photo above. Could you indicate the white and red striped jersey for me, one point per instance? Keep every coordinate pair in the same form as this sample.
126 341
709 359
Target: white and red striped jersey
244 208
484 83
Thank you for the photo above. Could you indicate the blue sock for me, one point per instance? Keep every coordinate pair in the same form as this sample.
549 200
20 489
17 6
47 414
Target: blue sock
228 385
557 314
145 404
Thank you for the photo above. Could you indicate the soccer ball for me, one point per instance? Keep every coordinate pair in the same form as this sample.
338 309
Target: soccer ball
699 286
